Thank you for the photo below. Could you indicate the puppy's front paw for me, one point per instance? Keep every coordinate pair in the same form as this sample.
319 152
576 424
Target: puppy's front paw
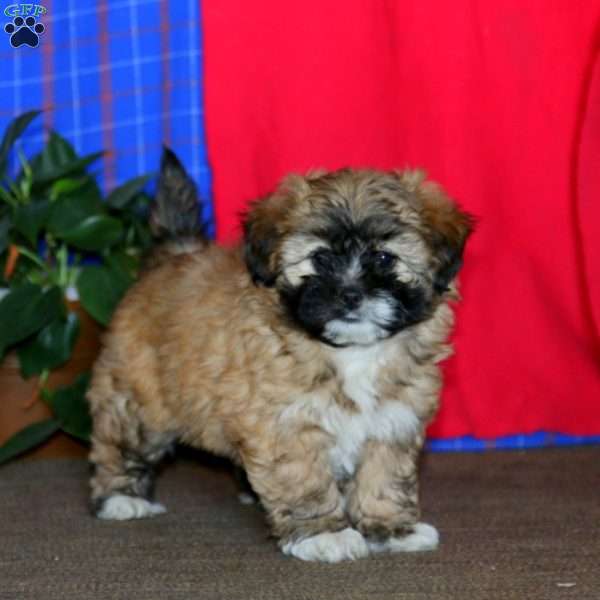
347 544
424 537
122 508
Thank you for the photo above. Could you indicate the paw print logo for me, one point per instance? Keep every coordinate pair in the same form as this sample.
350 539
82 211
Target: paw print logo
24 31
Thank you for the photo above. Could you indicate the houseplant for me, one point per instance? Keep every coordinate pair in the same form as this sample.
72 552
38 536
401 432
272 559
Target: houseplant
66 254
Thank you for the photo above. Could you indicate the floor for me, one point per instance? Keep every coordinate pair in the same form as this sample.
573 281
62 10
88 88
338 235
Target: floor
522 525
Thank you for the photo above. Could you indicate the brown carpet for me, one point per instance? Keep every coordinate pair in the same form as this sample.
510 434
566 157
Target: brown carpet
513 525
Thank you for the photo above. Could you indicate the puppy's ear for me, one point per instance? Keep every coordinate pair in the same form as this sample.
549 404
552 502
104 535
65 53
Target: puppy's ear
447 227
265 224
261 237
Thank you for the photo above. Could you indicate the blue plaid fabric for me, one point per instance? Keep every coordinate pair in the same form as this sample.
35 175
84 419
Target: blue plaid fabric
123 76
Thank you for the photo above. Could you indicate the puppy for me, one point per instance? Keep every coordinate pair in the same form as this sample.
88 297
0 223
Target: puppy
308 355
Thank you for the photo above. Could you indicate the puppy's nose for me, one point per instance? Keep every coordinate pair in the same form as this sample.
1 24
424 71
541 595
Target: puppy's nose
351 297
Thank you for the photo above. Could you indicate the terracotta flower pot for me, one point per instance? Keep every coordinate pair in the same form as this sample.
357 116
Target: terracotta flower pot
20 404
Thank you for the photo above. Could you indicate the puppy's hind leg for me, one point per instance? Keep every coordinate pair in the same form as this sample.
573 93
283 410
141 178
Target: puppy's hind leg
124 456
246 495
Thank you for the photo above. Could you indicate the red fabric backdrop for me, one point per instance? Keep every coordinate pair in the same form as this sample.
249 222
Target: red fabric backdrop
500 102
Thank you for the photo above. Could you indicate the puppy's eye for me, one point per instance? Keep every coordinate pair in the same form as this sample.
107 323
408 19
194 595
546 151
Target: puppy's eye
383 260
323 258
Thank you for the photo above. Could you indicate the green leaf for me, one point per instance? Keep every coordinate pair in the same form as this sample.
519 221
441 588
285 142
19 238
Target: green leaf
4 229
69 211
28 438
57 159
71 408
29 219
67 186
77 166
124 265
12 133
122 195
54 157
7 197
143 235
25 310
51 348
83 188
100 290
94 233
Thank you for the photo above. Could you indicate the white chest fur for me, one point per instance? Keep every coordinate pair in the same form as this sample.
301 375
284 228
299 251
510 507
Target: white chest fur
384 419
374 418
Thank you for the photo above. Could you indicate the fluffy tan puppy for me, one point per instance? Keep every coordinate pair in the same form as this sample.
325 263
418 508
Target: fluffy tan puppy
309 356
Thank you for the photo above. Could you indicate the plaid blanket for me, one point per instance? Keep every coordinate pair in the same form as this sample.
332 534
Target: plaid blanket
122 76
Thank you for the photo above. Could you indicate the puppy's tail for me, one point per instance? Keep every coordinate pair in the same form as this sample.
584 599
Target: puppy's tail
175 218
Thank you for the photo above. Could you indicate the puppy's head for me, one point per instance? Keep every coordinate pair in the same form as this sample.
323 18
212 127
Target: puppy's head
356 255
